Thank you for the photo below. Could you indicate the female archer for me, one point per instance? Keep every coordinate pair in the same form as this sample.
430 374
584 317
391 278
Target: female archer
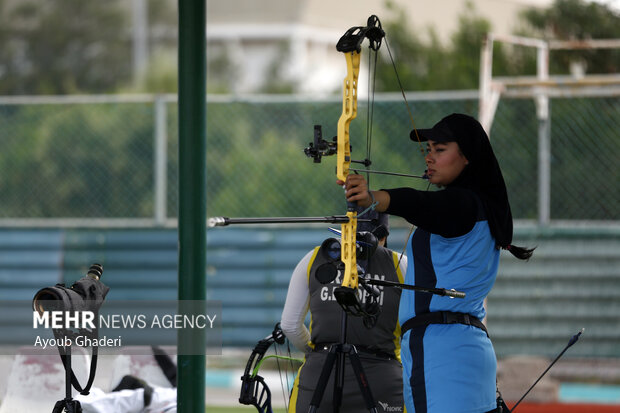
449 363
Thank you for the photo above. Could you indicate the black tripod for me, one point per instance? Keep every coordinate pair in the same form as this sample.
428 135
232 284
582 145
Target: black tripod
67 405
336 355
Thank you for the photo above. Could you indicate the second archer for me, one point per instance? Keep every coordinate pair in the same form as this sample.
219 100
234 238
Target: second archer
377 344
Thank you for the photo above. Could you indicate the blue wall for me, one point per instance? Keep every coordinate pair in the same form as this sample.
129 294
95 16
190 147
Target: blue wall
573 281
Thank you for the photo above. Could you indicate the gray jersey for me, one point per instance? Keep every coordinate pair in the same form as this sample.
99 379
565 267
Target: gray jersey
326 312
384 374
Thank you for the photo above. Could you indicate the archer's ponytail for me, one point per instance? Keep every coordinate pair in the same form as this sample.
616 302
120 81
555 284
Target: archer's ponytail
520 252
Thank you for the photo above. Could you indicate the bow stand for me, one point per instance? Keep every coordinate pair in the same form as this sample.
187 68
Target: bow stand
254 390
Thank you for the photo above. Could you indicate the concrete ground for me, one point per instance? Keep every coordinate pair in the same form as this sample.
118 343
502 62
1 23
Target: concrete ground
223 381
224 371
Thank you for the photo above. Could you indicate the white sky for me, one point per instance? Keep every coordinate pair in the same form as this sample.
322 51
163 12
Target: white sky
613 4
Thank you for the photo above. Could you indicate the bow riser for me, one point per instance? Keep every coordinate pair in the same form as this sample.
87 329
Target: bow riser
349 112
348 251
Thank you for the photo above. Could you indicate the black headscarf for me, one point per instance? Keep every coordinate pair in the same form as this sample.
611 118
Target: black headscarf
481 175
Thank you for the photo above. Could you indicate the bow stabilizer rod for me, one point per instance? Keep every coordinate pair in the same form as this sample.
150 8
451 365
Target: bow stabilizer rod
225 221
437 291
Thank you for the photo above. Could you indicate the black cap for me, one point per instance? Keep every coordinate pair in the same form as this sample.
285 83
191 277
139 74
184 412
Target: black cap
443 131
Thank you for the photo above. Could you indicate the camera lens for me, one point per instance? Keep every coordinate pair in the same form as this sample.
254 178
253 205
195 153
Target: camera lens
47 299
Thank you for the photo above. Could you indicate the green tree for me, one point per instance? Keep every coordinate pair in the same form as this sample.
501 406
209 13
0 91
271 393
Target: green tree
431 65
63 46
413 58
464 56
161 74
76 46
276 81
577 20
221 72
77 161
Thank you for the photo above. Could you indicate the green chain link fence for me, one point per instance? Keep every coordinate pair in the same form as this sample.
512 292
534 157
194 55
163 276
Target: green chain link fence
95 158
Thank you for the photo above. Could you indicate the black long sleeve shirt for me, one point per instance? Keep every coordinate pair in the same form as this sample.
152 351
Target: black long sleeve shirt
451 212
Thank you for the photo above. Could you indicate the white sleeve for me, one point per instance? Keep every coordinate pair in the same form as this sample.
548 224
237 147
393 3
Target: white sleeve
297 305
403 264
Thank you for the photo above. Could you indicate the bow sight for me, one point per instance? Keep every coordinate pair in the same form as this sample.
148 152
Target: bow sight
320 147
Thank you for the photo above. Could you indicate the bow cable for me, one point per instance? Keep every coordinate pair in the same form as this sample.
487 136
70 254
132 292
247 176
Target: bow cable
372 69
402 91
415 129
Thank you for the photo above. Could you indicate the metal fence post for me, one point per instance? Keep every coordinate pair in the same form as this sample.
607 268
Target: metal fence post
192 198
160 162
488 96
544 138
